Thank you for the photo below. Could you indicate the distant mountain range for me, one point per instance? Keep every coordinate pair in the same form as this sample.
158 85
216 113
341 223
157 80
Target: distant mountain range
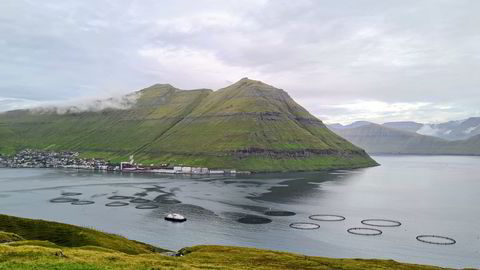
406 137
248 125
452 130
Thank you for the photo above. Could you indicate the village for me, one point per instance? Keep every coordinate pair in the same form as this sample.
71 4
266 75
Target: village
30 158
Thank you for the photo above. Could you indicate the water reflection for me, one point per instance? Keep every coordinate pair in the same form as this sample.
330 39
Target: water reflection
299 187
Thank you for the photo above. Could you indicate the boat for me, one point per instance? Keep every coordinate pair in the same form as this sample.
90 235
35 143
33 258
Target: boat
175 217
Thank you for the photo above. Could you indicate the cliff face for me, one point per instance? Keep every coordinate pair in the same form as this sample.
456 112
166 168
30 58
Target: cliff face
248 126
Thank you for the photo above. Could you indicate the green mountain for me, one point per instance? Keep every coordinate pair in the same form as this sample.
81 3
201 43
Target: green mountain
378 139
247 126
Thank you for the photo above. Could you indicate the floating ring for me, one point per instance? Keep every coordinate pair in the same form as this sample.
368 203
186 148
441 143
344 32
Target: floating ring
146 206
71 193
450 241
280 213
393 223
118 197
117 203
82 202
357 229
304 226
327 217
63 200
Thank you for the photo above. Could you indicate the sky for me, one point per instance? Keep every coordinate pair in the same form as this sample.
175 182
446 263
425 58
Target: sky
374 60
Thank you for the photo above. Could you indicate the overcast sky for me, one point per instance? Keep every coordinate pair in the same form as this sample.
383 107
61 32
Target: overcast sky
352 60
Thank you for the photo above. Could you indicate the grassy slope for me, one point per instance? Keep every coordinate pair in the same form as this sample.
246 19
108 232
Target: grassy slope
79 254
69 235
196 127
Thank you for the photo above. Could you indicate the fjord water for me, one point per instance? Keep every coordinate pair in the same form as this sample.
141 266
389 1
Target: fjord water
429 194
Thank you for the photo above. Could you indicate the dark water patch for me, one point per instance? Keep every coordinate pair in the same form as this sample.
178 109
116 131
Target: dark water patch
82 202
141 194
166 199
155 189
253 219
119 197
63 200
278 213
116 204
140 200
291 190
170 201
326 217
175 189
71 193
191 209
255 208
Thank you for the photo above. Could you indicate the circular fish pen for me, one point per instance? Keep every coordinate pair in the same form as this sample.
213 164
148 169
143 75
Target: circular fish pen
280 213
436 239
82 202
140 200
119 197
116 204
304 226
71 193
323 217
364 231
63 200
146 206
252 219
378 222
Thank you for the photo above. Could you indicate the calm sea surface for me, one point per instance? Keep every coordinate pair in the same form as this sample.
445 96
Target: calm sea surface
428 194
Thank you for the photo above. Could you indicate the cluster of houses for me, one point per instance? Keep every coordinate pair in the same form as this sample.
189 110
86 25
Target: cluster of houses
29 158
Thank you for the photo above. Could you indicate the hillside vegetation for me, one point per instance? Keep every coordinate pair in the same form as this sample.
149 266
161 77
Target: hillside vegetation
54 233
87 250
247 126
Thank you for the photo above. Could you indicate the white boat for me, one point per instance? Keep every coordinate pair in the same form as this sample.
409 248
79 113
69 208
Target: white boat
175 218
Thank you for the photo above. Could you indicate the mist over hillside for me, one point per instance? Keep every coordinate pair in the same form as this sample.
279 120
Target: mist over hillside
248 125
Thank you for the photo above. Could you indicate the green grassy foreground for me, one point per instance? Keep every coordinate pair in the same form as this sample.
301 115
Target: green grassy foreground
52 245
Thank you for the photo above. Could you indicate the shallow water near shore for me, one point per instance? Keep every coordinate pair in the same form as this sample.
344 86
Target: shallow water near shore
437 195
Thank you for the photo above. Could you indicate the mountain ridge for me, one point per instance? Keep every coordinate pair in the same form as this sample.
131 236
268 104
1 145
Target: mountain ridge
379 139
451 130
248 125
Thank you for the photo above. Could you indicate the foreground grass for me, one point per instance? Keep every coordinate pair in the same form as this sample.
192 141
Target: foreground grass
91 250
68 235
199 257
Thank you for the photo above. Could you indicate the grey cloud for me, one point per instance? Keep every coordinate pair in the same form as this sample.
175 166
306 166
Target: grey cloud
323 52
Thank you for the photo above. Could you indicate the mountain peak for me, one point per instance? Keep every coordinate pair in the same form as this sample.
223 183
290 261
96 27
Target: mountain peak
158 87
246 82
